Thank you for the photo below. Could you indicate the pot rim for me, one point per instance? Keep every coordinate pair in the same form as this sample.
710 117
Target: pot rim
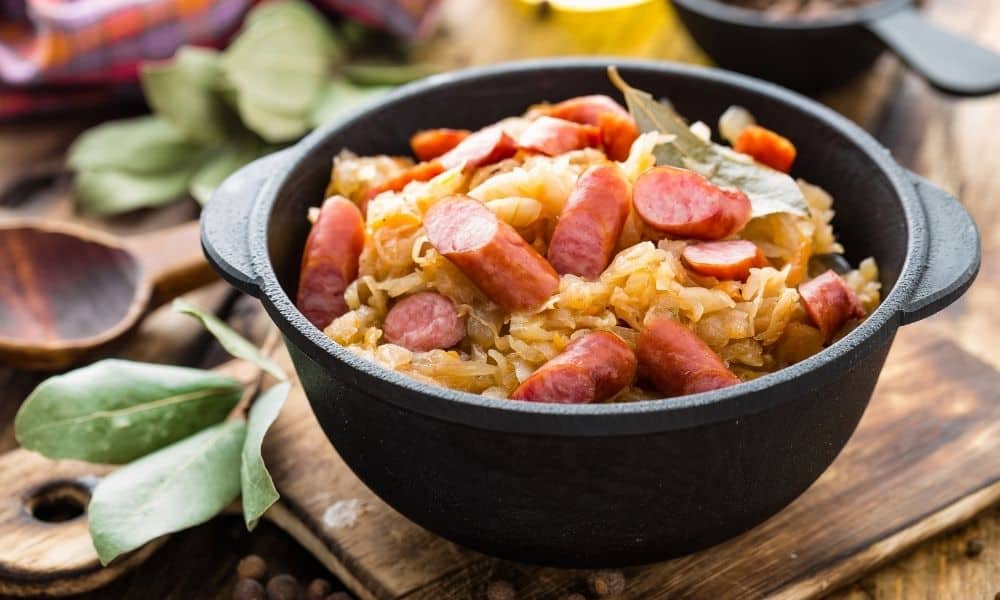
748 17
641 417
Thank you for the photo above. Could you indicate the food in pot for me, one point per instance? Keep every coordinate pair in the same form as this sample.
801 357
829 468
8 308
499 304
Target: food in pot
569 255
801 9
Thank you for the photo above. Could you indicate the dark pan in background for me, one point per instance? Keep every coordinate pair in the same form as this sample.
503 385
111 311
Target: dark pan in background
821 53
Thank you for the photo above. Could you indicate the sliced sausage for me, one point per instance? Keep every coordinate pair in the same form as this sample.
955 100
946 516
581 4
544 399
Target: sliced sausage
592 368
618 128
432 143
424 321
767 147
330 261
424 171
683 203
586 109
585 237
830 303
677 362
490 253
552 136
483 147
725 260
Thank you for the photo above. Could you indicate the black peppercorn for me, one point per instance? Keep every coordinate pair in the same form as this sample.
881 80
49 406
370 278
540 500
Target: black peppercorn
974 547
252 567
283 587
500 590
248 589
318 589
606 583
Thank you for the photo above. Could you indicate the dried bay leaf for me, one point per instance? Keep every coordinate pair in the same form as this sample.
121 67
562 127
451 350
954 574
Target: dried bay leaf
140 145
179 486
184 92
114 411
234 343
258 488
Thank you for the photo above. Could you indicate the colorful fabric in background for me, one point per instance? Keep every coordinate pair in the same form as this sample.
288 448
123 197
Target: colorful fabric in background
64 54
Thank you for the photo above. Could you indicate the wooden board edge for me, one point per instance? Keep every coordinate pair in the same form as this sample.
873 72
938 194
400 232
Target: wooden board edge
288 522
850 569
64 584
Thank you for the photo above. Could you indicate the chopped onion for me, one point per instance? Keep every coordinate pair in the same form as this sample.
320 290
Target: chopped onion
734 121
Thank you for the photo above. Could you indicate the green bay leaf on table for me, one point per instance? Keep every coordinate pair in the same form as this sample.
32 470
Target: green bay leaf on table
234 343
183 91
140 145
374 74
277 65
258 488
176 487
110 191
114 411
770 191
339 95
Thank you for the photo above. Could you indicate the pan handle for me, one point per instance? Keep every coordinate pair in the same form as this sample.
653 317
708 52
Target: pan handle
953 252
225 222
950 63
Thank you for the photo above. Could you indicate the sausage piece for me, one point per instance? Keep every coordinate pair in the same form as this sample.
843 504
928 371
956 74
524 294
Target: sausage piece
330 261
424 321
483 147
767 147
677 362
829 303
432 143
588 229
592 368
618 128
490 253
725 260
424 171
552 136
683 203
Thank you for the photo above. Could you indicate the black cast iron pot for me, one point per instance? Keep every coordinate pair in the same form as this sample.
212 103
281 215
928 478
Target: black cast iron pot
821 53
605 484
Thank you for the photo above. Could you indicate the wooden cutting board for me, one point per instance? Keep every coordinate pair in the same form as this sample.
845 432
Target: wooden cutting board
925 458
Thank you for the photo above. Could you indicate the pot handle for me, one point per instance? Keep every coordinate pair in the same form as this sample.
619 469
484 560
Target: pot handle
225 222
953 253
949 62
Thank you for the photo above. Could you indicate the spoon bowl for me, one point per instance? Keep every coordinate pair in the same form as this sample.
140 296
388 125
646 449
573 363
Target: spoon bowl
71 292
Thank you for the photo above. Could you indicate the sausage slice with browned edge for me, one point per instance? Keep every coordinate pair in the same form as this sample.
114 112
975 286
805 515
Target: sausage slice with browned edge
424 321
618 128
490 253
330 261
726 260
429 144
592 368
585 237
552 136
678 362
483 147
683 203
830 303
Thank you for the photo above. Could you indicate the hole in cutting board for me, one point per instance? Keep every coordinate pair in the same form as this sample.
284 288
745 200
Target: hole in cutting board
58 502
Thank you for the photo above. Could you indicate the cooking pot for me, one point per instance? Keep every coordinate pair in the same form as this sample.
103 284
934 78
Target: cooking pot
601 484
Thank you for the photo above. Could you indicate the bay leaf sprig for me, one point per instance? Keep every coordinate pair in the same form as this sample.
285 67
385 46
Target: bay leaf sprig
174 488
256 484
770 191
115 411
234 343
286 71
188 448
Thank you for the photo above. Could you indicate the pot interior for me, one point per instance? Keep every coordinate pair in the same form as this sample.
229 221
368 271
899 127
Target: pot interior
869 221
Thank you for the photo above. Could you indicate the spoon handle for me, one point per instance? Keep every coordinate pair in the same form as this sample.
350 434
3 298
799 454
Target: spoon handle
172 261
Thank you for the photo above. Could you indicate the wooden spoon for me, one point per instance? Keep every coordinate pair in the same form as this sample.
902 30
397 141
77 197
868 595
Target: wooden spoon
68 292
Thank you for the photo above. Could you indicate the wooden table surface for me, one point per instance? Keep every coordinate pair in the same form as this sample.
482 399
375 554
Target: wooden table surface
953 142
